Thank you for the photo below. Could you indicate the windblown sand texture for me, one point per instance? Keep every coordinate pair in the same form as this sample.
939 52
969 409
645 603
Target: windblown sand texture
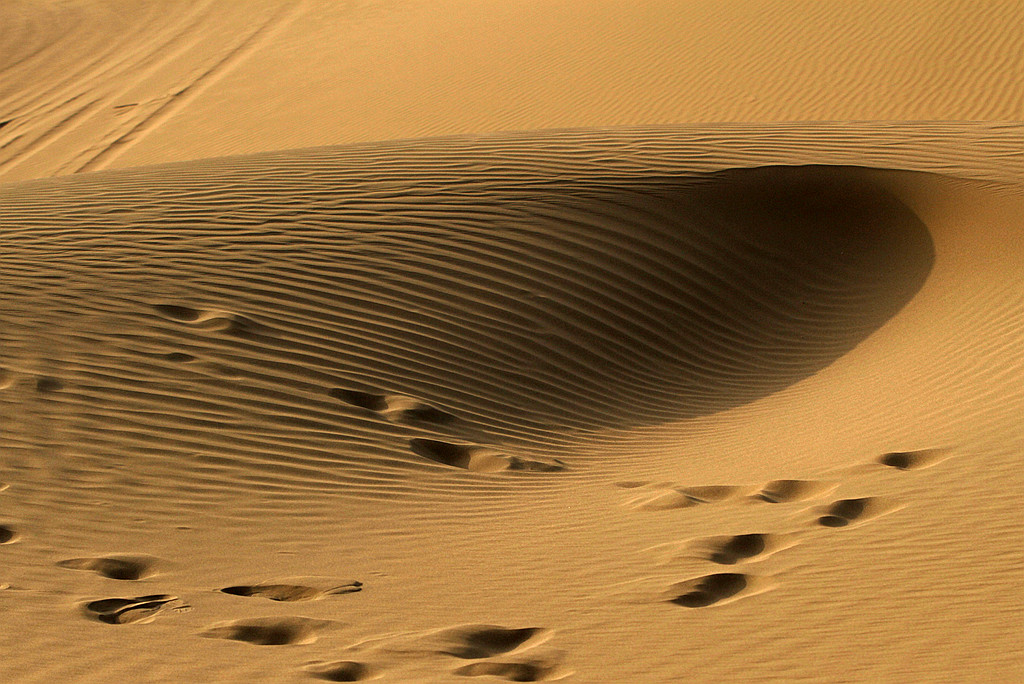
711 370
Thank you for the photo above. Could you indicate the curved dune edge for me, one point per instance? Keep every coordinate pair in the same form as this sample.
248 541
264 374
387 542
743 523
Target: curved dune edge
217 376
521 302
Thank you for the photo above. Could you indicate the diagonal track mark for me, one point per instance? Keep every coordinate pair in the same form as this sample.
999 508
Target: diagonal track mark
181 98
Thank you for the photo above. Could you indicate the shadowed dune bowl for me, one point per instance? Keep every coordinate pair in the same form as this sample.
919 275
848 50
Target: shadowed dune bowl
532 298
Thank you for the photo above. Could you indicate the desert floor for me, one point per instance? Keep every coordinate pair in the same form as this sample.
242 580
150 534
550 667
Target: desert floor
462 341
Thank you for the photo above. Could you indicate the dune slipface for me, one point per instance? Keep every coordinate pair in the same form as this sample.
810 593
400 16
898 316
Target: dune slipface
539 297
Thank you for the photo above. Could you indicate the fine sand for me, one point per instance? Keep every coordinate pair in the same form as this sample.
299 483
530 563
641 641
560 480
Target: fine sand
469 341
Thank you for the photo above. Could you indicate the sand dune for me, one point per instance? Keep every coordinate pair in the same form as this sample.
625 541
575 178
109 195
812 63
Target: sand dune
542 345
711 372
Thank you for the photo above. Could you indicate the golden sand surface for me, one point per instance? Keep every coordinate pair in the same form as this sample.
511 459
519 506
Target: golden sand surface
468 341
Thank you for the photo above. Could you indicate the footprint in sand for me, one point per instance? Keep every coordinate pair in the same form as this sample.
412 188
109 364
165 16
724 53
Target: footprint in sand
363 400
341 671
291 592
911 460
47 385
115 567
485 641
423 414
269 631
123 611
741 547
8 534
214 321
786 491
726 549
397 408
478 459
843 512
414 655
710 589
531 670
660 497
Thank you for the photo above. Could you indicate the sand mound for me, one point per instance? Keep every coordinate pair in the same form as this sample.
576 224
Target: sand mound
501 307
718 402
533 299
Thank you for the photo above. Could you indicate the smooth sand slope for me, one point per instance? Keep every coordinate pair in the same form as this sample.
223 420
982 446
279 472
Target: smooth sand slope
93 84
519 407
735 399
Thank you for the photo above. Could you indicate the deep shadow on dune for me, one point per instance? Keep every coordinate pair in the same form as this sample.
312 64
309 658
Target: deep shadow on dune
530 298
743 282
